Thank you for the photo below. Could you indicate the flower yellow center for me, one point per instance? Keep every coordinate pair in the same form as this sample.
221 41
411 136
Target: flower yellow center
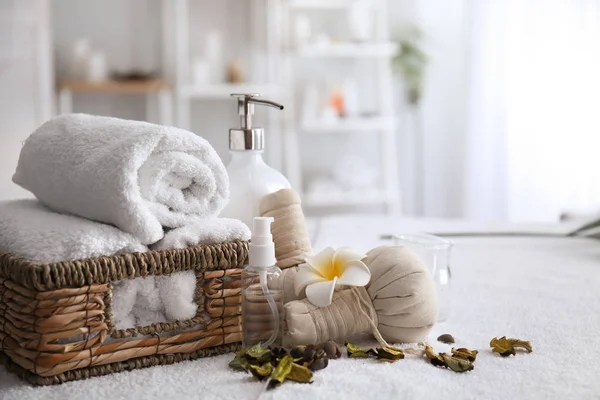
335 270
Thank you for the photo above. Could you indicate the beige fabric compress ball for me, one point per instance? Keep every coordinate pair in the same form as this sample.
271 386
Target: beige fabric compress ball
400 298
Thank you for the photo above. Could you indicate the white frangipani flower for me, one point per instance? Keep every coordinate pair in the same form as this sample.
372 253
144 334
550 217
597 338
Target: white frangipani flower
324 272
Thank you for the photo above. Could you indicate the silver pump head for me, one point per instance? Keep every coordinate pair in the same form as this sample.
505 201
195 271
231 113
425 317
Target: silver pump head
247 137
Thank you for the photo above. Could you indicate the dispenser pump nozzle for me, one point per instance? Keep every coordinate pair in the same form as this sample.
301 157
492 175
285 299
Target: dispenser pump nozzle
262 248
246 137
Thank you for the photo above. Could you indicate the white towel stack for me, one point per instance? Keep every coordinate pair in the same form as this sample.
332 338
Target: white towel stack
108 186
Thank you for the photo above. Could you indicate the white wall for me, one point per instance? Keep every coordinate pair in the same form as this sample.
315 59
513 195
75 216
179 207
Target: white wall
445 104
24 81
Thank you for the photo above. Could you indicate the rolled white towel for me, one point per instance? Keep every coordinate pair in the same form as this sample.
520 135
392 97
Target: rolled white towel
30 230
132 174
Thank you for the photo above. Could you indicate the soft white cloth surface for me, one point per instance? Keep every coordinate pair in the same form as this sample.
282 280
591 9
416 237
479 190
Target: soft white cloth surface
30 230
205 231
542 290
132 174
143 301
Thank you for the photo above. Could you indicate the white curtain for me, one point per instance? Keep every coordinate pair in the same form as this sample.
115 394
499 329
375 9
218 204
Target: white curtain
533 133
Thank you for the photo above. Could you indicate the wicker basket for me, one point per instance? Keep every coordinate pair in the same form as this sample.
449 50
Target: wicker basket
56 323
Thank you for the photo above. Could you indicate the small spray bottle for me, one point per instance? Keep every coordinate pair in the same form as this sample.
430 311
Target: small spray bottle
262 300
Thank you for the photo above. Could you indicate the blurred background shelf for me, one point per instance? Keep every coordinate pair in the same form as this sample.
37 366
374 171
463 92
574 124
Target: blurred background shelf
349 125
222 91
318 4
113 86
322 4
354 50
346 198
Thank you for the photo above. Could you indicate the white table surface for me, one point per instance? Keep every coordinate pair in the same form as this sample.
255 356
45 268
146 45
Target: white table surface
546 290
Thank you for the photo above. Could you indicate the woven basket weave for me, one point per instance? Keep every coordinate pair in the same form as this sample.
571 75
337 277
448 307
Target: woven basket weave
56 323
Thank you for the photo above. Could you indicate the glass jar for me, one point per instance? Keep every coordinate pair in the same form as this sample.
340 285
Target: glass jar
434 251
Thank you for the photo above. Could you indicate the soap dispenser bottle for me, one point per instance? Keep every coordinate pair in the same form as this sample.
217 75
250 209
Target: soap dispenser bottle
262 300
250 178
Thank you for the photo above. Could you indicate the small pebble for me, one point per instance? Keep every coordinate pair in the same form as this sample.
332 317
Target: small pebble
446 338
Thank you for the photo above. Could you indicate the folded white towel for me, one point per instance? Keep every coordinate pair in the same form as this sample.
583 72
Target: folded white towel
144 301
30 230
134 175
136 302
205 231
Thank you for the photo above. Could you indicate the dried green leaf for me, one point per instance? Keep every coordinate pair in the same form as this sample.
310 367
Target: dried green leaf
239 363
300 374
389 354
261 372
258 354
465 354
502 346
444 360
283 369
456 364
434 358
356 352
446 338
506 347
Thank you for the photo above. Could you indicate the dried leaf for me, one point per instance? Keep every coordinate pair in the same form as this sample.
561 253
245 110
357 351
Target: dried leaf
239 363
502 346
506 347
521 344
389 354
446 338
457 364
283 369
447 361
356 352
300 374
273 384
278 352
434 358
297 352
465 354
258 354
261 372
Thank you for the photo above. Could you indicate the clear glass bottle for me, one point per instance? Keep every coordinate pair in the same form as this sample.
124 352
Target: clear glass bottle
262 294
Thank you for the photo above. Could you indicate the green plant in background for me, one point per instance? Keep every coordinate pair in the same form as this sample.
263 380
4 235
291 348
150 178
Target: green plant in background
410 62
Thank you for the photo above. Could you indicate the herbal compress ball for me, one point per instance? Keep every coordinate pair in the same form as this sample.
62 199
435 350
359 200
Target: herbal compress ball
400 301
